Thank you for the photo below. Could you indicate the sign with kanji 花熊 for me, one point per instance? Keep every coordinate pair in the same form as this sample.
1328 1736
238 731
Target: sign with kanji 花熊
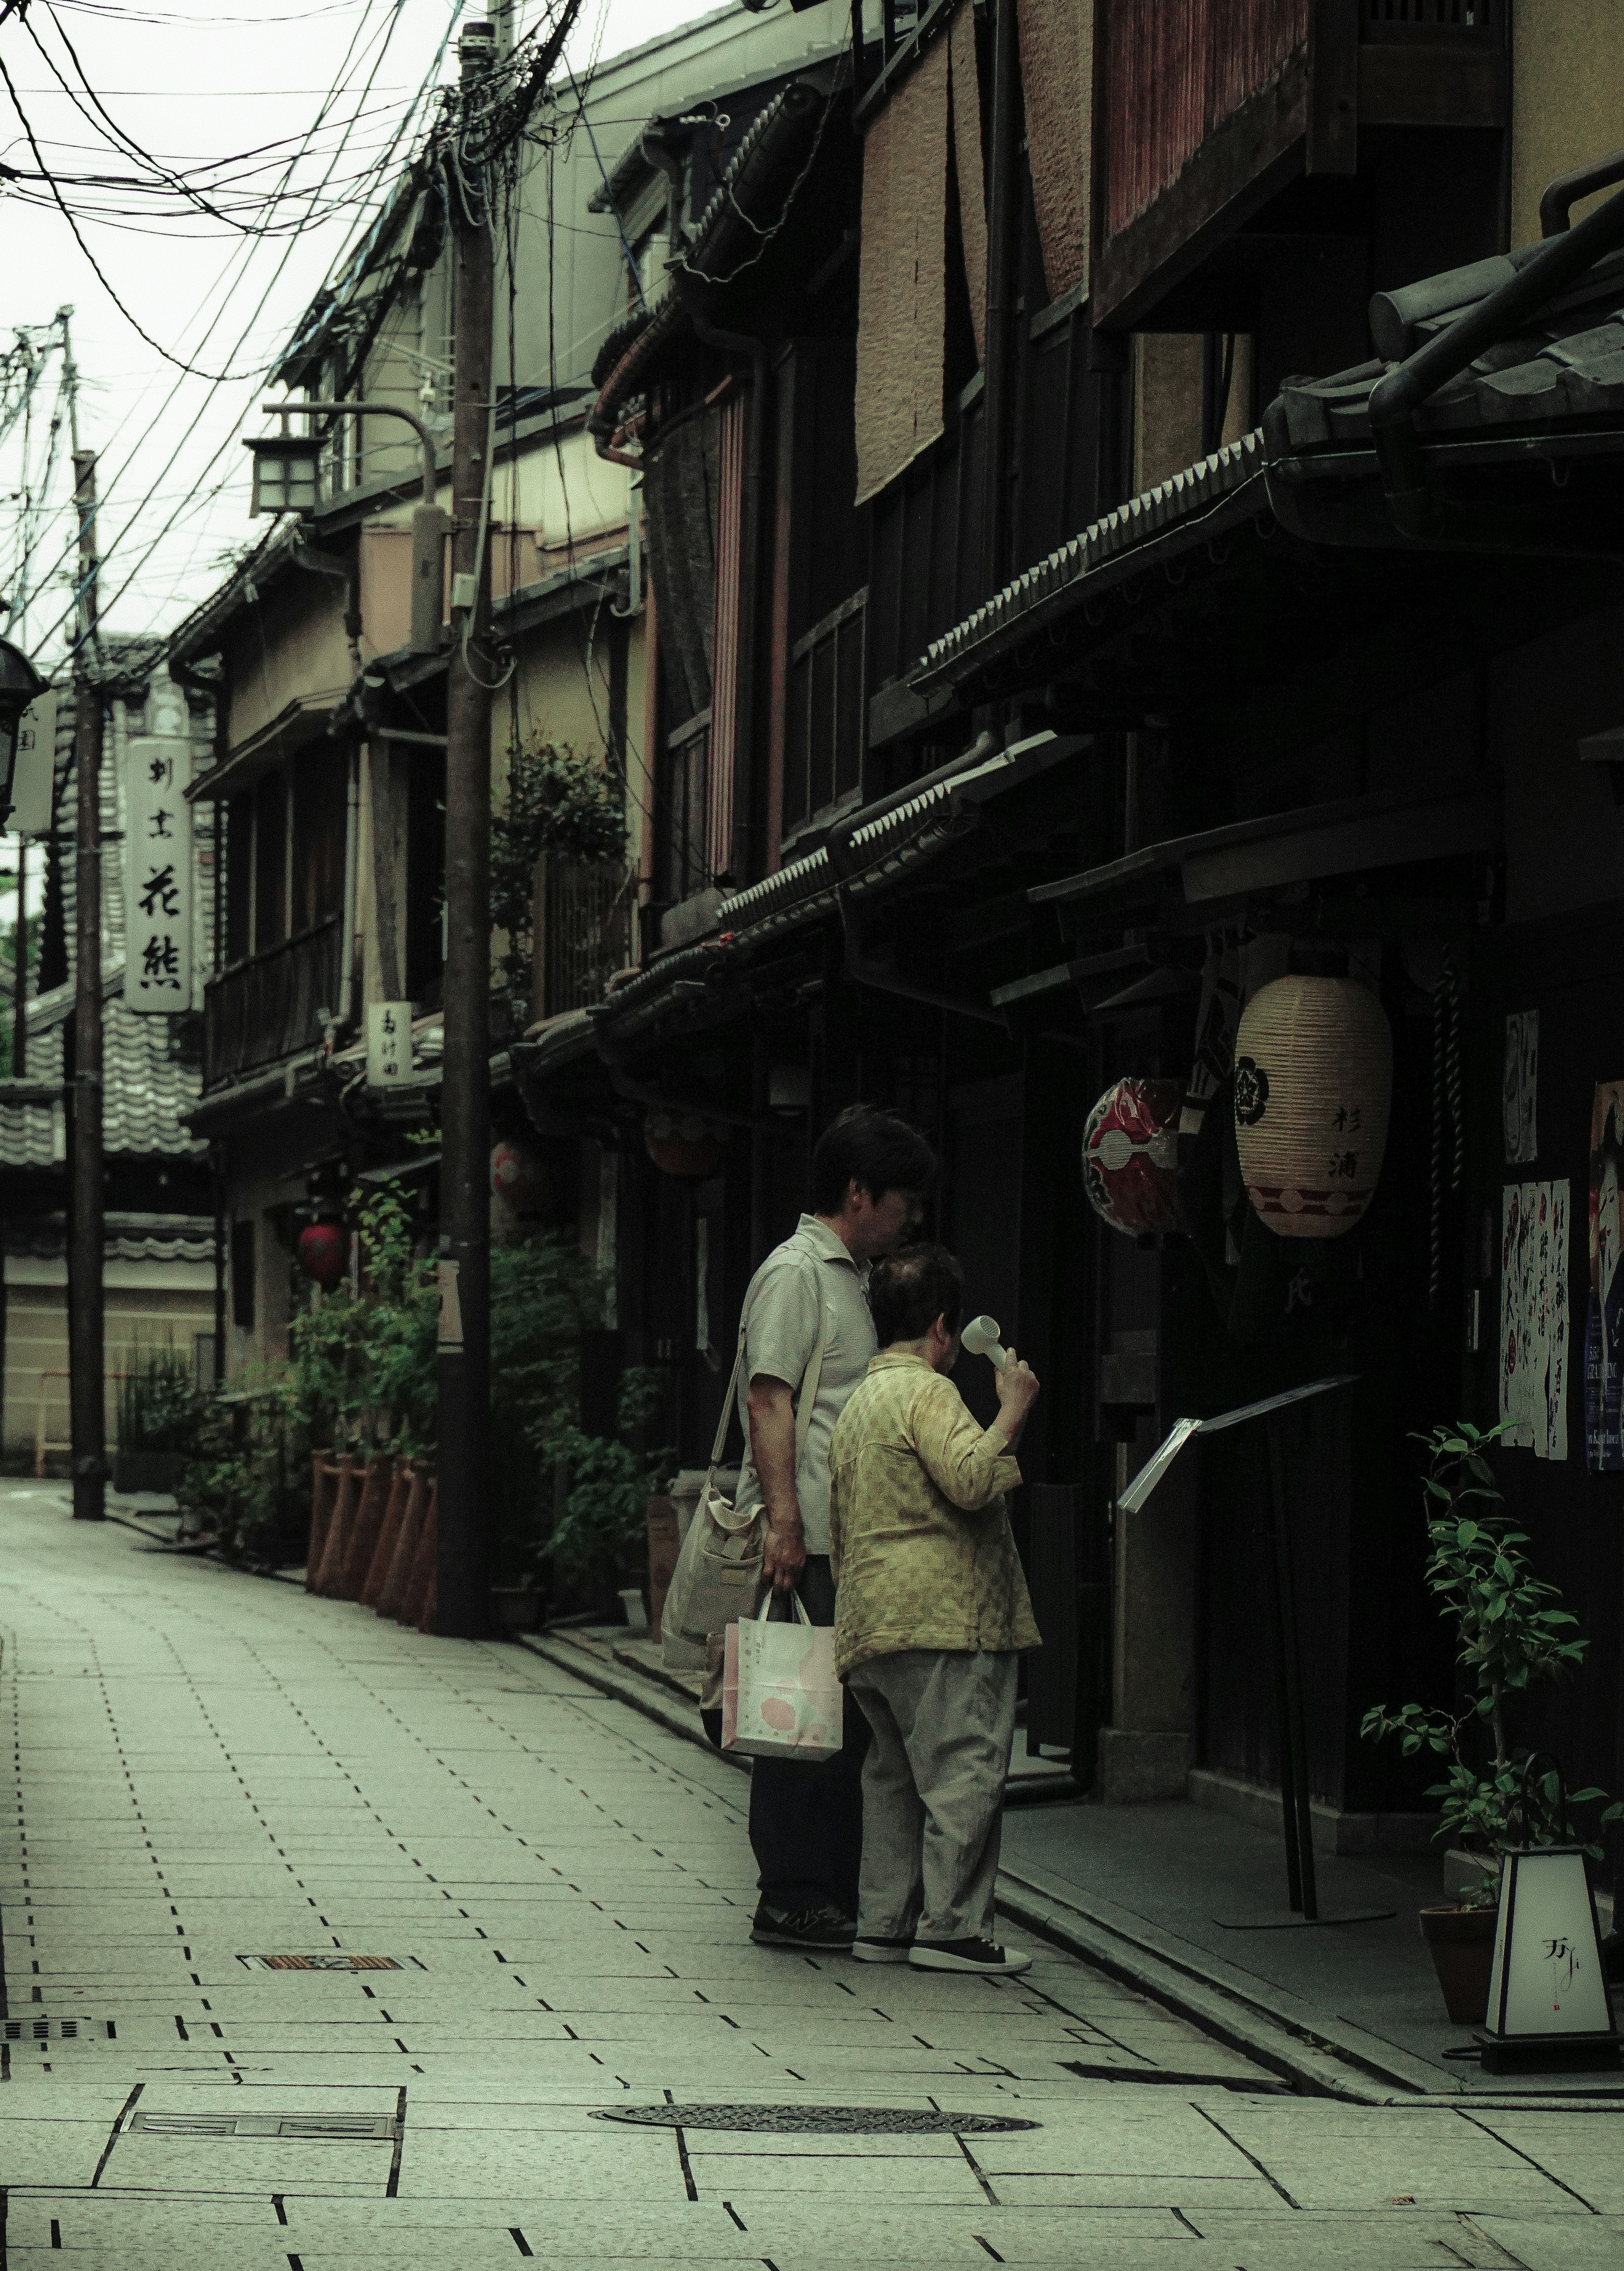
158 876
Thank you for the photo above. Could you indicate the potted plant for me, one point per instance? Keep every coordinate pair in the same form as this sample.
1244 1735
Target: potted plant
1512 1632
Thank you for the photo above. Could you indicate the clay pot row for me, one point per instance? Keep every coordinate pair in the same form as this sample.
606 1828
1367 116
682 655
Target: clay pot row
375 1534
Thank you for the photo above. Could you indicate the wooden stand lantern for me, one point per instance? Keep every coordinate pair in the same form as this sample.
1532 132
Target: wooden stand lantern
1314 1083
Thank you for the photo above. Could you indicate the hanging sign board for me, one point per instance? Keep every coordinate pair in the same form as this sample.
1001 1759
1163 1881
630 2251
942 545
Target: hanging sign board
388 1043
159 875
1547 1989
33 775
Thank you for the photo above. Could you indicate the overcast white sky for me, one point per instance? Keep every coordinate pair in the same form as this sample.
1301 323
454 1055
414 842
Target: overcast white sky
189 87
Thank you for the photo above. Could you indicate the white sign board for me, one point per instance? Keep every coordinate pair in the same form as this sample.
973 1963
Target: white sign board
1547 1978
159 875
388 1043
33 777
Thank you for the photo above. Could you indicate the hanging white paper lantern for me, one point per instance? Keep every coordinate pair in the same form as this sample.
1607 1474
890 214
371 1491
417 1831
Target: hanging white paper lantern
1314 1084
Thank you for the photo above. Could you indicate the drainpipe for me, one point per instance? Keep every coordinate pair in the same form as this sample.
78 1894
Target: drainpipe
1003 264
1413 502
346 1007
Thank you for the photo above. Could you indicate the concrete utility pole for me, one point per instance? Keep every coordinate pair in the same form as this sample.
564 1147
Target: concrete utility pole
463 1571
87 1323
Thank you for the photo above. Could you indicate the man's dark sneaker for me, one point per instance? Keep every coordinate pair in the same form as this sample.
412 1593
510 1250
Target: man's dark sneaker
873 1950
823 1930
967 1955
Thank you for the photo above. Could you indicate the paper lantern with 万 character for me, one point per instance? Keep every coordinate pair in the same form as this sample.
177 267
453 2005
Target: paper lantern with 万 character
1314 1083
1130 1155
682 1143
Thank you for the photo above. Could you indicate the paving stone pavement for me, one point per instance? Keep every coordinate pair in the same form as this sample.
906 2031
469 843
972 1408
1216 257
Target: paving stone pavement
521 1904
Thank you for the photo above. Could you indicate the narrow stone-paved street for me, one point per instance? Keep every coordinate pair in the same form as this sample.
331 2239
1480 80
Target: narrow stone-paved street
327 1945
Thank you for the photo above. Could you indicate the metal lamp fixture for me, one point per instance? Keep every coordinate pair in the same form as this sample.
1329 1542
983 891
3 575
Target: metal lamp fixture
20 684
284 472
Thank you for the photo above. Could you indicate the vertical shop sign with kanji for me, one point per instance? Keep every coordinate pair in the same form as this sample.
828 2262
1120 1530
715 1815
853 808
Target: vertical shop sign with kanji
158 876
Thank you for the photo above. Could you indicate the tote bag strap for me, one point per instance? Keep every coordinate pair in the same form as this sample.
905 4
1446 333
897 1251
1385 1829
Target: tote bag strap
810 1381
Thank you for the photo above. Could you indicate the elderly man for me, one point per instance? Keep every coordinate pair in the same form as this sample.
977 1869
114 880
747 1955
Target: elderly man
932 1613
806 1329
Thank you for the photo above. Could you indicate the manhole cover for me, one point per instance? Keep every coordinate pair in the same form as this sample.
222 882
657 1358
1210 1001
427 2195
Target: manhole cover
855 2120
324 1963
316 2128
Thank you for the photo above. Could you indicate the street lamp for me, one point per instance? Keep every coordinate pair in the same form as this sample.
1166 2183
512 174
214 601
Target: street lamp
20 683
285 481
284 472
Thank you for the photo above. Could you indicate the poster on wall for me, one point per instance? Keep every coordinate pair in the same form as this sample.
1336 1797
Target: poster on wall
1533 1317
1604 1319
1520 1092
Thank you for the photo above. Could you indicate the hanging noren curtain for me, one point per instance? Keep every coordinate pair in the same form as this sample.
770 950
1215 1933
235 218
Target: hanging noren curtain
902 286
1057 79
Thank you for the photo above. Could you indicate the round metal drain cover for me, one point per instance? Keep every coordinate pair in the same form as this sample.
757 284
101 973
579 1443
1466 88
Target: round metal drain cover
855 2120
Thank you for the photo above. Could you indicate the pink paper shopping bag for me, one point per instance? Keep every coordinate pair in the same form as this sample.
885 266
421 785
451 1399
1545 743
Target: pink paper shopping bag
780 1698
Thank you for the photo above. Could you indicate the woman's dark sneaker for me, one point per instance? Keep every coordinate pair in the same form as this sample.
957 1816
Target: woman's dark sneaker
812 1929
968 1956
871 1950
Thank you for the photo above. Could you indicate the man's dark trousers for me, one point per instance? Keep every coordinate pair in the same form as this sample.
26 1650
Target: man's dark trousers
806 1821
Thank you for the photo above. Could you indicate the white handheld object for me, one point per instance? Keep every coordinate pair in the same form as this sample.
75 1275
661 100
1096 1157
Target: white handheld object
980 1337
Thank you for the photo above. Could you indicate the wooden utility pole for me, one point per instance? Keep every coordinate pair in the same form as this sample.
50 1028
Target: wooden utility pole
463 1565
86 1324
19 968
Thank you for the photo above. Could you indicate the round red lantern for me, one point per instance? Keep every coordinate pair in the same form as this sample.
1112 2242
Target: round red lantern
1314 1084
682 1143
1130 1156
325 1252
517 1178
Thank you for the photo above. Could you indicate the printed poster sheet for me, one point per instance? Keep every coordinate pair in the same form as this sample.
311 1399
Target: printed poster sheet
1533 1317
1520 1091
1604 1321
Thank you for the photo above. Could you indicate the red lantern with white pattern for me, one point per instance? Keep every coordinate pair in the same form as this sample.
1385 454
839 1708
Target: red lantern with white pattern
1130 1156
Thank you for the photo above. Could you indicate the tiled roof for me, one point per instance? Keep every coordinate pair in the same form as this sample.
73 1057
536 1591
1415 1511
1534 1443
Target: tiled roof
1199 491
129 1237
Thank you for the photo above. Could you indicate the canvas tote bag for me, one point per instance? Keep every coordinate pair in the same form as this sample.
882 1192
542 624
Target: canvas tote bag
719 1569
781 1698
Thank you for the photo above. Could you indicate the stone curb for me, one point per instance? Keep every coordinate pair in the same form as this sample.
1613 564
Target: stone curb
1323 2056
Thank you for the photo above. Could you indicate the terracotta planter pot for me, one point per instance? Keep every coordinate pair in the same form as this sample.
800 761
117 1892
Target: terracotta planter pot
382 1553
417 1607
324 1488
665 1544
377 1477
392 1593
336 1541
1462 1941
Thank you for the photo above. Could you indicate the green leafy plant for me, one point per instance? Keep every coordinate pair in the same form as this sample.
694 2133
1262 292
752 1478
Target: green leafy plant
607 1482
158 1402
1513 1633
557 801
246 1477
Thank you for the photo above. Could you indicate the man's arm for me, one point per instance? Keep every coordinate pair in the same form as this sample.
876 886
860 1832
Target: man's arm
772 1409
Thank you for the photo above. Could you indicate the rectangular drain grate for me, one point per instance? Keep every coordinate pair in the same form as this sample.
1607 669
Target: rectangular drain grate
54 2030
324 1963
313 2128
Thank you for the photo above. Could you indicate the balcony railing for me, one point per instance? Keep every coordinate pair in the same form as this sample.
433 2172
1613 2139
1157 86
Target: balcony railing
586 930
271 1005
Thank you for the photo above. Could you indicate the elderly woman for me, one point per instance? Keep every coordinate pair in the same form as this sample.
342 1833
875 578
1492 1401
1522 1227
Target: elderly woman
931 1616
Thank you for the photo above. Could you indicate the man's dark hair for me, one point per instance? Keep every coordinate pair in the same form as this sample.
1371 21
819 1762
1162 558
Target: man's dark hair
873 1149
908 1291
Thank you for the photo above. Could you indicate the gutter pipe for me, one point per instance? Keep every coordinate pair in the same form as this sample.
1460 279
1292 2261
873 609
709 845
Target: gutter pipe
1412 500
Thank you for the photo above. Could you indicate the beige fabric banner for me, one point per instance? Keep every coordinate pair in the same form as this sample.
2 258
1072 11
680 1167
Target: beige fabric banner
968 165
901 283
1057 74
